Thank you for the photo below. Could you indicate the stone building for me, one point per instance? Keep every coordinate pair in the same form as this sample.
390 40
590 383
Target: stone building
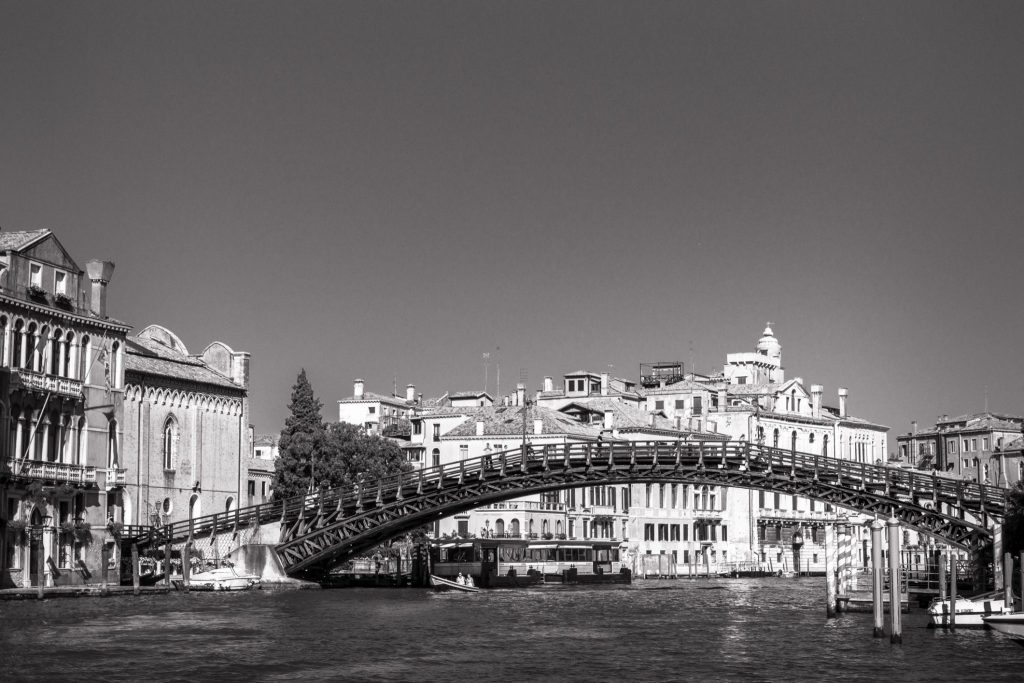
62 470
260 469
187 439
980 447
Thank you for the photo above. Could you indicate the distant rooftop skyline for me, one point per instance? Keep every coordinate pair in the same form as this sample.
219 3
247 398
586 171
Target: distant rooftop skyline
388 191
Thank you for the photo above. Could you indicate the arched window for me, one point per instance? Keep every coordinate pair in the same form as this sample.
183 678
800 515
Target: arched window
55 343
31 343
775 439
18 345
558 527
811 438
68 365
170 443
824 445
499 528
113 457
229 504
435 457
514 528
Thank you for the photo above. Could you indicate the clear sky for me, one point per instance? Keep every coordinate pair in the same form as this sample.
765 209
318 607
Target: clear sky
388 190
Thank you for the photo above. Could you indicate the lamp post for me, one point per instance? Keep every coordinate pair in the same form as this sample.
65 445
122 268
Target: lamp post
798 543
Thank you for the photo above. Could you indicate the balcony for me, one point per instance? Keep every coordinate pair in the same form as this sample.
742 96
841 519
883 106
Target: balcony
54 471
526 505
799 515
37 381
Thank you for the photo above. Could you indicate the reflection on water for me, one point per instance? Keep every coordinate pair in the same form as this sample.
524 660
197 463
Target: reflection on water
756 629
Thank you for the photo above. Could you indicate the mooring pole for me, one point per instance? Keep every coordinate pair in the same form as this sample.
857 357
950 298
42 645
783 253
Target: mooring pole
895 601
877 578
830 571
135 568
186 565
1022 582
952 590
1008 580
942 574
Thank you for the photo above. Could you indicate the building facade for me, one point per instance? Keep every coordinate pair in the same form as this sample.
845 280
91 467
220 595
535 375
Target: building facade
979 447
63 475
187 433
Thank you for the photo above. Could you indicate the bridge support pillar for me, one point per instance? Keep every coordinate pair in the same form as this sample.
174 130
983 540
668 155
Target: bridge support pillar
895 601
877 578
830 570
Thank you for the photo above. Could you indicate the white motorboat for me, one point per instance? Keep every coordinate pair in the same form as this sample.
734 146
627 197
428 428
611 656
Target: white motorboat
1011 624
223 578
970 612
440 584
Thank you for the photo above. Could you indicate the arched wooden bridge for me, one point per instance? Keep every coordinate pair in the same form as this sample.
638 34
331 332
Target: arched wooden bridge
320 530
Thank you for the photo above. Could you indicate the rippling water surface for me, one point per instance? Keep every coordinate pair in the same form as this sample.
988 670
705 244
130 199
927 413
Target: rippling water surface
750 630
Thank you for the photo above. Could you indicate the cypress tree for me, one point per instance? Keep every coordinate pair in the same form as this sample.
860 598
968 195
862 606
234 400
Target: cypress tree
300 443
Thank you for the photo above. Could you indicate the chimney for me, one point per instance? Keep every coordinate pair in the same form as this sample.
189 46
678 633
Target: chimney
536 396
679 423
913 426
99 274
538 426
721 400
240 368
816 391
549 384
479 427
604 383
520 394
419 398
410 393
609 419
843 393
357 388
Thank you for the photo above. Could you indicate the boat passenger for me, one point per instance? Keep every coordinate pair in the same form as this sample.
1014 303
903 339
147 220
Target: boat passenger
469 580
459 580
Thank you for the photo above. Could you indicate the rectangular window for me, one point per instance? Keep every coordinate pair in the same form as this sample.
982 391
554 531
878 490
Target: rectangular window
674 532
725 533
648 532
794 508
686 532
697 405
417 427
680 404
36 275
60 282
675 495
663 532
778 502
686 557
760 499
974 444
984 443
252 487
741 380
659 405
373 409
463 451
437 432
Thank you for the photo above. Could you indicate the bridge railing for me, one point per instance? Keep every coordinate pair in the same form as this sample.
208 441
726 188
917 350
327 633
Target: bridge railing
735 455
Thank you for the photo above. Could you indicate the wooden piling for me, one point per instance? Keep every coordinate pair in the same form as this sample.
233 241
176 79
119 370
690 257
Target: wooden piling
135 568
41 570
104 563
952 590
186 565
942 575
877 579
167 560
1008 580
895 599
830 571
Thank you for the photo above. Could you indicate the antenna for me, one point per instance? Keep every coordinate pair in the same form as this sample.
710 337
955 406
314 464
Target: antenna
487 363
497 391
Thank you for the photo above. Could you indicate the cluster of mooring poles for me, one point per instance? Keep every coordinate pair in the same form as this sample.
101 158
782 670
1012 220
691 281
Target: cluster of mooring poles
839 574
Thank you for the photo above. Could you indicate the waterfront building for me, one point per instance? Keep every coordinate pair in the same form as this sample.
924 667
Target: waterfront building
751 400
978 447
62 474
260 468
376 413
186 435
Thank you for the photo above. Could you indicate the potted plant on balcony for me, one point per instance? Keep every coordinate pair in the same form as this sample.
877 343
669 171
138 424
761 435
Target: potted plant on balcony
17 529
83 532
65 490
62 300
35 493
66 531
36 292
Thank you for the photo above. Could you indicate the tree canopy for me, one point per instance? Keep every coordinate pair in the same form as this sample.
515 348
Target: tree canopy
1013 524
328 455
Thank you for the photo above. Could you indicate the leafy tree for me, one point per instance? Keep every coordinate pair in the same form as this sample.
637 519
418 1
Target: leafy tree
1013 525
301 441
348 451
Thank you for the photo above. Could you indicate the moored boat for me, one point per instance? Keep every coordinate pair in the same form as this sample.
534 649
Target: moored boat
223 578
1012 624
441 584
970 611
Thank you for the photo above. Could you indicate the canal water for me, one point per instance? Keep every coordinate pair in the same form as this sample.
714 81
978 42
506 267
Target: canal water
704 630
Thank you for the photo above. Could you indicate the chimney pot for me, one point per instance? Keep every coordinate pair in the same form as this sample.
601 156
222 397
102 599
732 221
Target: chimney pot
843 393
549 384
410 393
357 388
604 383
99 273
520 394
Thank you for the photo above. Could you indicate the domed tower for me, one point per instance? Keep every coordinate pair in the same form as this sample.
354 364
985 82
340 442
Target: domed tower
769 346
